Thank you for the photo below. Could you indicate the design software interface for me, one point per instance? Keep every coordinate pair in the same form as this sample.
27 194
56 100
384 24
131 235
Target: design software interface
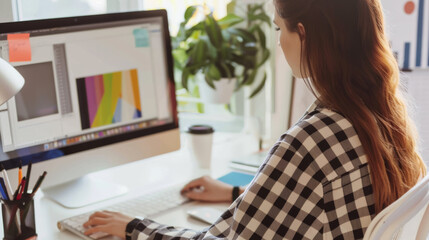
86 82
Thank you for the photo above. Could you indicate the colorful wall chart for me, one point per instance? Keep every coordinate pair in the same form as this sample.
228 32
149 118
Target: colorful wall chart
408 29
109 98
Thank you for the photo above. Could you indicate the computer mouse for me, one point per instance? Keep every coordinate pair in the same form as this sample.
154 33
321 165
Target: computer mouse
205 214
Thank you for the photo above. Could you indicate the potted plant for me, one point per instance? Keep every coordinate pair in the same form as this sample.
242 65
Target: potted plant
225 56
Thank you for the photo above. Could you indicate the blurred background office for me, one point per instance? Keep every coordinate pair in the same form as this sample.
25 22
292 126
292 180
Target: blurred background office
282 100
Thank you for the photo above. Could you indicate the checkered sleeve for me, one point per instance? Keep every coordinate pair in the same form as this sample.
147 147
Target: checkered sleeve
148 229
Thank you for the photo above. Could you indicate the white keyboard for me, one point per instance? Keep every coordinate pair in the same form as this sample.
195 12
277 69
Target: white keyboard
145 205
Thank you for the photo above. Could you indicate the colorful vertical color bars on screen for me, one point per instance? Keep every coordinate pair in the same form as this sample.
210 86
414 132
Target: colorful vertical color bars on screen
109 98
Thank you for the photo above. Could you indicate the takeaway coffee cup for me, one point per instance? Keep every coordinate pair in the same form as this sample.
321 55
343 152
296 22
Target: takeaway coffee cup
200 140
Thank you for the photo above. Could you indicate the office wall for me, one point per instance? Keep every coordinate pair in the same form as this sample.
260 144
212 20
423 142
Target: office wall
416 86
280 102
7 10
407 27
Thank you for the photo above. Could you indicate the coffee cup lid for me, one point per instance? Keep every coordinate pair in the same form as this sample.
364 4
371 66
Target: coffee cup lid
200 129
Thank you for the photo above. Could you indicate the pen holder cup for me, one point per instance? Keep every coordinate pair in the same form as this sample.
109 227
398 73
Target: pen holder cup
18 219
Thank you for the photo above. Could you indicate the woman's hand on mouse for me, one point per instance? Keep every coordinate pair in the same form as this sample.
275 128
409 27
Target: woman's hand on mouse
207 189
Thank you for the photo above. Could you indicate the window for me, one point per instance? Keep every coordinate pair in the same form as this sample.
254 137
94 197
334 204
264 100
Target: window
176 8
39 9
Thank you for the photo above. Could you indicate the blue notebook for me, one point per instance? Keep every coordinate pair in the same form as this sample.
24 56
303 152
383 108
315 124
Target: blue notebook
236 178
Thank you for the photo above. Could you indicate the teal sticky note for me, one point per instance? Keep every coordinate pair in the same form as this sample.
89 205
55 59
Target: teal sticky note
236 178
141 37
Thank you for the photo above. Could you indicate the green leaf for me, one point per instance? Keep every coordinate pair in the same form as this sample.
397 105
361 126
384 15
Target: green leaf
193 69
200 107
177 64
180 56
244 34
259 87
194 36
252 28
225 68
265 57
211 50
224 53
198 54
250 50
190 11
228 107
262 16
196 93
213 72
242 61
185 77
213 31
257 7
197 27
247 78
209 81
261 36
250 8
181 34
230 20
251 77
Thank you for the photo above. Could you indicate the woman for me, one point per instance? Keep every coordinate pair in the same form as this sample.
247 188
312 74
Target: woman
352 154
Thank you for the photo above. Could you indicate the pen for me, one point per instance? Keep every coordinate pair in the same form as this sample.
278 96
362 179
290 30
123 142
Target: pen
38 183
3 189
6 180
27 177
20 172
18 190
18 197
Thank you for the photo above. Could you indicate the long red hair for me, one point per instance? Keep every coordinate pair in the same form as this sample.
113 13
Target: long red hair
350 64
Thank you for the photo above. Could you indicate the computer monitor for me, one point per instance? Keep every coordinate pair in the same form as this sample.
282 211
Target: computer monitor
99 92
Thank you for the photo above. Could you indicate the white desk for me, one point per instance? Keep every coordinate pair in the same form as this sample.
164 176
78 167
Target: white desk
147 175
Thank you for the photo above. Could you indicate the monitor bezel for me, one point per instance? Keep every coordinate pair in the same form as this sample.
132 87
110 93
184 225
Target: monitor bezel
32 25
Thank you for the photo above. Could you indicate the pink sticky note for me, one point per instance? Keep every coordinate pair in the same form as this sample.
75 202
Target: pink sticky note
19 47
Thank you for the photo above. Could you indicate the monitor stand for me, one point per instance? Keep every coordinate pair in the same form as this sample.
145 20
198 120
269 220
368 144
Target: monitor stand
83 191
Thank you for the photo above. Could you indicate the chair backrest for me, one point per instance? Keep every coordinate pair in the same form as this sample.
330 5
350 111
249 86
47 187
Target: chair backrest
391 223
423 231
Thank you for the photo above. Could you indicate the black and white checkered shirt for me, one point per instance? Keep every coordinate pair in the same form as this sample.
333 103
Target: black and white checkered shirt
314 184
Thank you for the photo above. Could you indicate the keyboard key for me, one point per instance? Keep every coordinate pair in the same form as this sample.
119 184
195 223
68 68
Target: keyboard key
145 205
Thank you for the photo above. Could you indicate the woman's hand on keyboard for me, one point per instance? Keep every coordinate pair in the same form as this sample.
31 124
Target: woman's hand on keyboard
113 223
207 189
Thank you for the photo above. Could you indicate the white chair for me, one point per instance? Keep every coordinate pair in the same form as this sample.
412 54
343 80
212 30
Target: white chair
406 218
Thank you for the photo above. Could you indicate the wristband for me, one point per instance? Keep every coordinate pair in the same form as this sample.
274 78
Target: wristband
235 192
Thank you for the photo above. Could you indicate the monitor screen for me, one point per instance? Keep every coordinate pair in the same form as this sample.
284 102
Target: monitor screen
89 82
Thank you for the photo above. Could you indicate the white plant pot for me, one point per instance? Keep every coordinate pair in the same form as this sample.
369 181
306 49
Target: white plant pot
221 95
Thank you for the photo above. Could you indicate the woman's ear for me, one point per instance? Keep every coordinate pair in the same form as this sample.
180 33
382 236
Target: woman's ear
301 31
